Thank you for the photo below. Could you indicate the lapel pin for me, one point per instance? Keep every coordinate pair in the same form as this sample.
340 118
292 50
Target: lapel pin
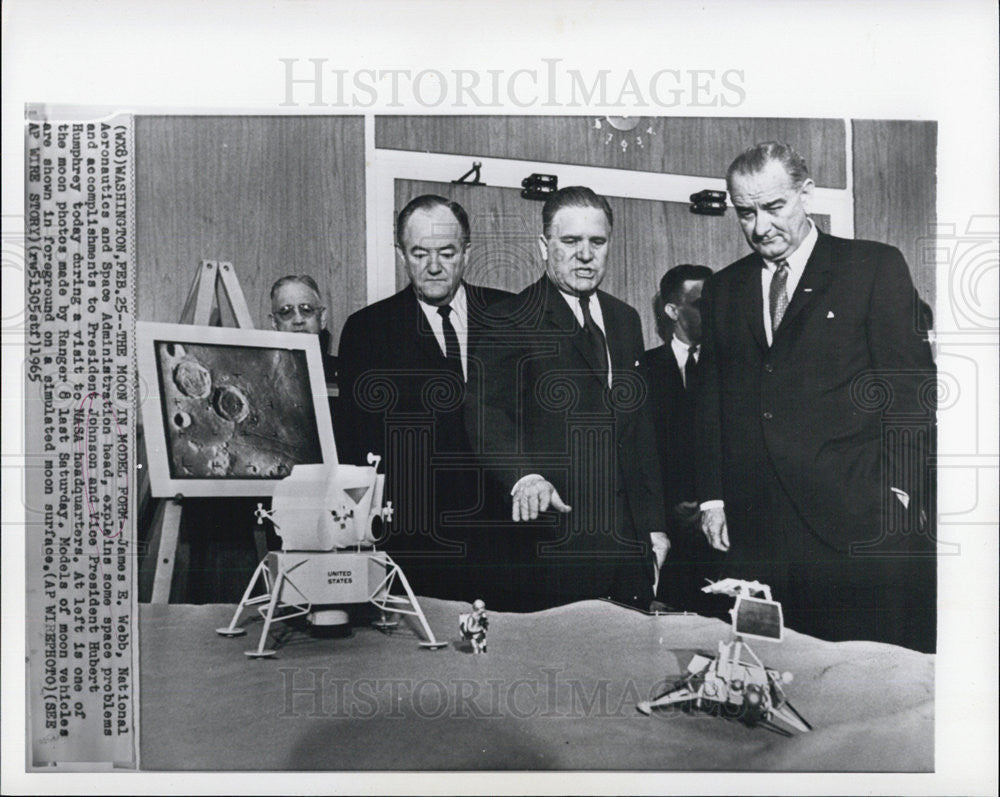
637 363
829 314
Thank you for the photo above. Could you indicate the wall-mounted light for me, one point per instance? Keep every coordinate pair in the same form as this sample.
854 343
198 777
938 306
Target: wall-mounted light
539 186
709 203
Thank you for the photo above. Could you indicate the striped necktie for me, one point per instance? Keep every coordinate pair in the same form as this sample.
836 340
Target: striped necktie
778 295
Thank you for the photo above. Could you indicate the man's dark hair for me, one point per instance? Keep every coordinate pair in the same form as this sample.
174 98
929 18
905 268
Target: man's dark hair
755 159
302 279
574 196
674 279
429 202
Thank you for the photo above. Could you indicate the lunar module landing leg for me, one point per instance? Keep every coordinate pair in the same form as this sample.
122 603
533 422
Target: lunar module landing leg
299 583
386 601
324 515
275 577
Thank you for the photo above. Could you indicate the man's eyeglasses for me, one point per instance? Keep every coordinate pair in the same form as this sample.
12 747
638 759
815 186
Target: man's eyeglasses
287 311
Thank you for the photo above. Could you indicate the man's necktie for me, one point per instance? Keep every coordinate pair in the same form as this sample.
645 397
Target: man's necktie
595 337
690 367
452 351
778 298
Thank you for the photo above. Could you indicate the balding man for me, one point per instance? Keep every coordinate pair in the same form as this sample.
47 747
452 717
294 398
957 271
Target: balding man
816 415
404 366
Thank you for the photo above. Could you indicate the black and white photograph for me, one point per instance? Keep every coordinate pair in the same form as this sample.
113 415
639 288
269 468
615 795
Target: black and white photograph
559 418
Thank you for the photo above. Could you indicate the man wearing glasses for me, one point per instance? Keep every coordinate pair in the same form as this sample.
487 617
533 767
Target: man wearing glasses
296 306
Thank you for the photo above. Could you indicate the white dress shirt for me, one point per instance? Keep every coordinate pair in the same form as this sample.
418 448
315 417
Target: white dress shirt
681 351
459 320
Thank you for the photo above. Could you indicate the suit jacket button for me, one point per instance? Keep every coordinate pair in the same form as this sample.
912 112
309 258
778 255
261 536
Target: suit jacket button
768 367
768 416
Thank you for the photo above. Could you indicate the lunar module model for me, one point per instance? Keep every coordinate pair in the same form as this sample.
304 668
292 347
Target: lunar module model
736 682
325 516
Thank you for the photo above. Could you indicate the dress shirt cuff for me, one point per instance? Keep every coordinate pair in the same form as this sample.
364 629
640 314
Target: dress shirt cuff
714 504
659 539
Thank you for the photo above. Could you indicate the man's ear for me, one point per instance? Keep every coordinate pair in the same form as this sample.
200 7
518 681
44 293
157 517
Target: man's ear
670 311
466 248
274 323
322 318
807 193
543 247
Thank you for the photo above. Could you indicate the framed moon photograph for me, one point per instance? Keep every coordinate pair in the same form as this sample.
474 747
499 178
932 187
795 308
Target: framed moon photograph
229 411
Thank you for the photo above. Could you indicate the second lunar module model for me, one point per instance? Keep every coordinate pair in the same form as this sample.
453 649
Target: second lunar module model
736 682
325 516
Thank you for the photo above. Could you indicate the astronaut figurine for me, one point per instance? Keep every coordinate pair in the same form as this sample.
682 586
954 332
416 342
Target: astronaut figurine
473 626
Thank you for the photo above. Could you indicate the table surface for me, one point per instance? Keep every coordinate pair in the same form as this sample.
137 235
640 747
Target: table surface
556 691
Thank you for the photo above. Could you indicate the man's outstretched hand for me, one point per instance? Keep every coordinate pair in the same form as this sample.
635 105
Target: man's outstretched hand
532 495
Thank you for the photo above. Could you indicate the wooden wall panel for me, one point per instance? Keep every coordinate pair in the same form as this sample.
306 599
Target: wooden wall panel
895 191
702 147
649 237
274 195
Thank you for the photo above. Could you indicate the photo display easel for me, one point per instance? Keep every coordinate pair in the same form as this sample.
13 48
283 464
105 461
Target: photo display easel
212 280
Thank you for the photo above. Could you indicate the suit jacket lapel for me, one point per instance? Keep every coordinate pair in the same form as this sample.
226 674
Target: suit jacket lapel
752 297
612 330
413 317
675 381
815 278
476 313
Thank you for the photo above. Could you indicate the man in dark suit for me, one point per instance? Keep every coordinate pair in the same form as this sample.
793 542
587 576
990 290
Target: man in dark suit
816 416
562 419
672 370
404 364
297 306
